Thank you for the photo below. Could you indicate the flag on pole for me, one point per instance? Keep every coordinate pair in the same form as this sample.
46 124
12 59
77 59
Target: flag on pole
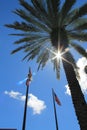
55 114
29 79
56 99
30 75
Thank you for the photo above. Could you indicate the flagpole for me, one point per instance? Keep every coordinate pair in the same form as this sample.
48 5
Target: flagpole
25 109
56 121
29 79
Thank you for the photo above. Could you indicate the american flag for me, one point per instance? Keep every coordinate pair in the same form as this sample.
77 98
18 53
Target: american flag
56 99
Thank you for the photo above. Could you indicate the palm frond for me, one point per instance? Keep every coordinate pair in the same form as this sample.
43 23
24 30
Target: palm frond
32 53
75 24
35 47
23 27
39 7
25 39
55 6
28 39
42 12
56 64
81 12
21 34
30 46
26 56
32 37
53 11
49 8
39 42
29 8
78 36
79 49
38 4
31 20
66 8
45 60
42 58
30 34
69 16
37 11
81 27
19 48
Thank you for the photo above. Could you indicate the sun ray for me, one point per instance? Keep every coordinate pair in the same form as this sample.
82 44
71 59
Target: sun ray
67 61
59 55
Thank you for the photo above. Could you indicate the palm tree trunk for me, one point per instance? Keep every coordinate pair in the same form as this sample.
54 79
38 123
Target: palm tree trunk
76 93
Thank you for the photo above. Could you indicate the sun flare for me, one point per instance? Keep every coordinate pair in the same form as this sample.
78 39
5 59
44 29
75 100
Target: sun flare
58 55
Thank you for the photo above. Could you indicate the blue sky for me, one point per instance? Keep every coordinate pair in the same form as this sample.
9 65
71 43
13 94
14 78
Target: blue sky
40 113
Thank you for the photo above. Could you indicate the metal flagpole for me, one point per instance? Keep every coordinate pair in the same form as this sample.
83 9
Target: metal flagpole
25 109
26 99
56 121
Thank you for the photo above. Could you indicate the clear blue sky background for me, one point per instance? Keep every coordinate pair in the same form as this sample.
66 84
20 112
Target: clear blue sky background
13 70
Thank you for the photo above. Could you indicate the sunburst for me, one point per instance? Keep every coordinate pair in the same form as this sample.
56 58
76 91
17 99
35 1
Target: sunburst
58 54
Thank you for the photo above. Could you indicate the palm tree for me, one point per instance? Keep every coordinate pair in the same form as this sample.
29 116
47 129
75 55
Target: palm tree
47 29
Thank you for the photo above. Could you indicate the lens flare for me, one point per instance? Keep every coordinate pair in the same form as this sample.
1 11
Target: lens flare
58 55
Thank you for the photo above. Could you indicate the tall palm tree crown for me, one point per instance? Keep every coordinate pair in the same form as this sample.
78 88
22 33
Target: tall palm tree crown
47 25
49 28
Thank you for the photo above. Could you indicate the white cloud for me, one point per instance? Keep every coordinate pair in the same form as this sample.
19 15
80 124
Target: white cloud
67 90
36 104
13 94
81 63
